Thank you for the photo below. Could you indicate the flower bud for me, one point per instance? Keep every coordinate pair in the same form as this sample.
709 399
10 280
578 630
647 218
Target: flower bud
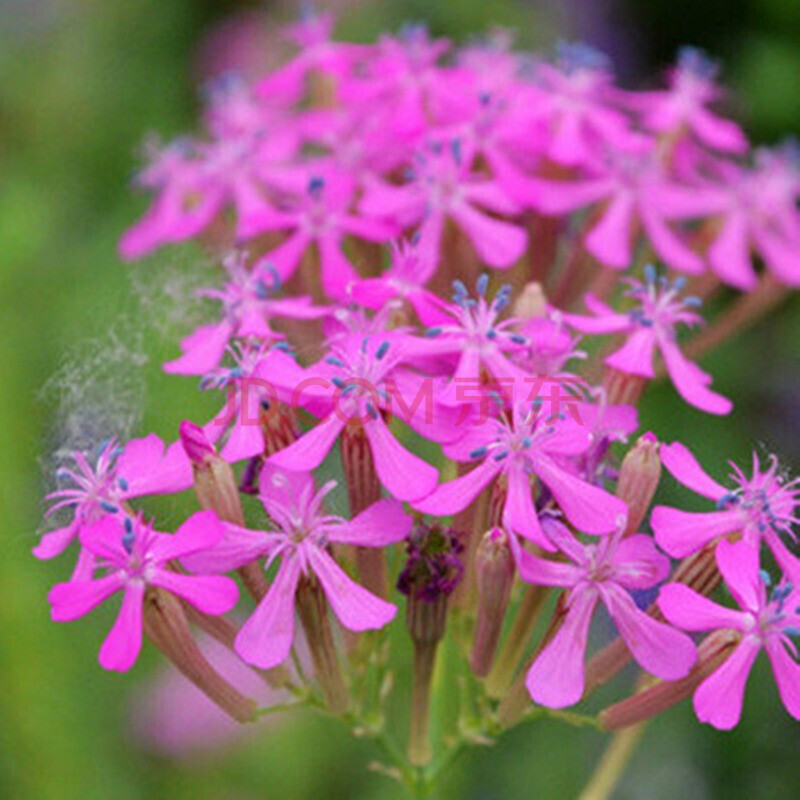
638 480
531 303
432 572
494 574
658 697
167 627
215 487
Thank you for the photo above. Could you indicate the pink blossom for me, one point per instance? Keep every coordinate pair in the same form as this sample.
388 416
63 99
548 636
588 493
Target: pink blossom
96 487
249 303
321 217
576 106
443 187
764 623
135 557
359 379
762 507
684 105
757 210
413 265
522 445
603 572
481 342
638 192
262 375
649 327
301 536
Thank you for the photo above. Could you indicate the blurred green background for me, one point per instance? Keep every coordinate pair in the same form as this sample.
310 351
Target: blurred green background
81 82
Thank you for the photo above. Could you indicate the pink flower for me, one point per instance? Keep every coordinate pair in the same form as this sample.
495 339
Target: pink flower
758 211
443 187
522 445
479 340
261 376
366 378
413 265
302 534
135 557
98 487
248 304
684 105
762 507
638 192
321 217
650 326
603 572
247 155
576 106
763 623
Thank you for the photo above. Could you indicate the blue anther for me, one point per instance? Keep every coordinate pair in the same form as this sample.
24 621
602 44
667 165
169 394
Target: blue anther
382 351
479 452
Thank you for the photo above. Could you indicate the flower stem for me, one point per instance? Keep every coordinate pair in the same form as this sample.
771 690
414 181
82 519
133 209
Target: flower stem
612 765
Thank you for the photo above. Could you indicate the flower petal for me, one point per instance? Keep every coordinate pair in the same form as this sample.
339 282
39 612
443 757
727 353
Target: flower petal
124 641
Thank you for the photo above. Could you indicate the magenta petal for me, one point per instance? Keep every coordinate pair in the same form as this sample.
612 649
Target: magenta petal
610 239
718 700
660 649
239 546
681 533
499 244
456 495
309 451
202 350
541 572
519 512
211 594
104 539
201 531
739 564
635 357
286 257
405 475
787 676
337 272
356 608
685 608
587 507
556 678
382 524
690 381
684 467
266 638
73 599
638 563
729 255
124 641
55 542
668 245
721 134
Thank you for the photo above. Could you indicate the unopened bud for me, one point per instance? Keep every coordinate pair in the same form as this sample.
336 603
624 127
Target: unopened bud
638 480
531 303
494 575
167 627
659 697
215 487
196 444
432 572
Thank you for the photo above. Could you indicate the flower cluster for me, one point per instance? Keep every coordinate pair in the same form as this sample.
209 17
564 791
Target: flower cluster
462 390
